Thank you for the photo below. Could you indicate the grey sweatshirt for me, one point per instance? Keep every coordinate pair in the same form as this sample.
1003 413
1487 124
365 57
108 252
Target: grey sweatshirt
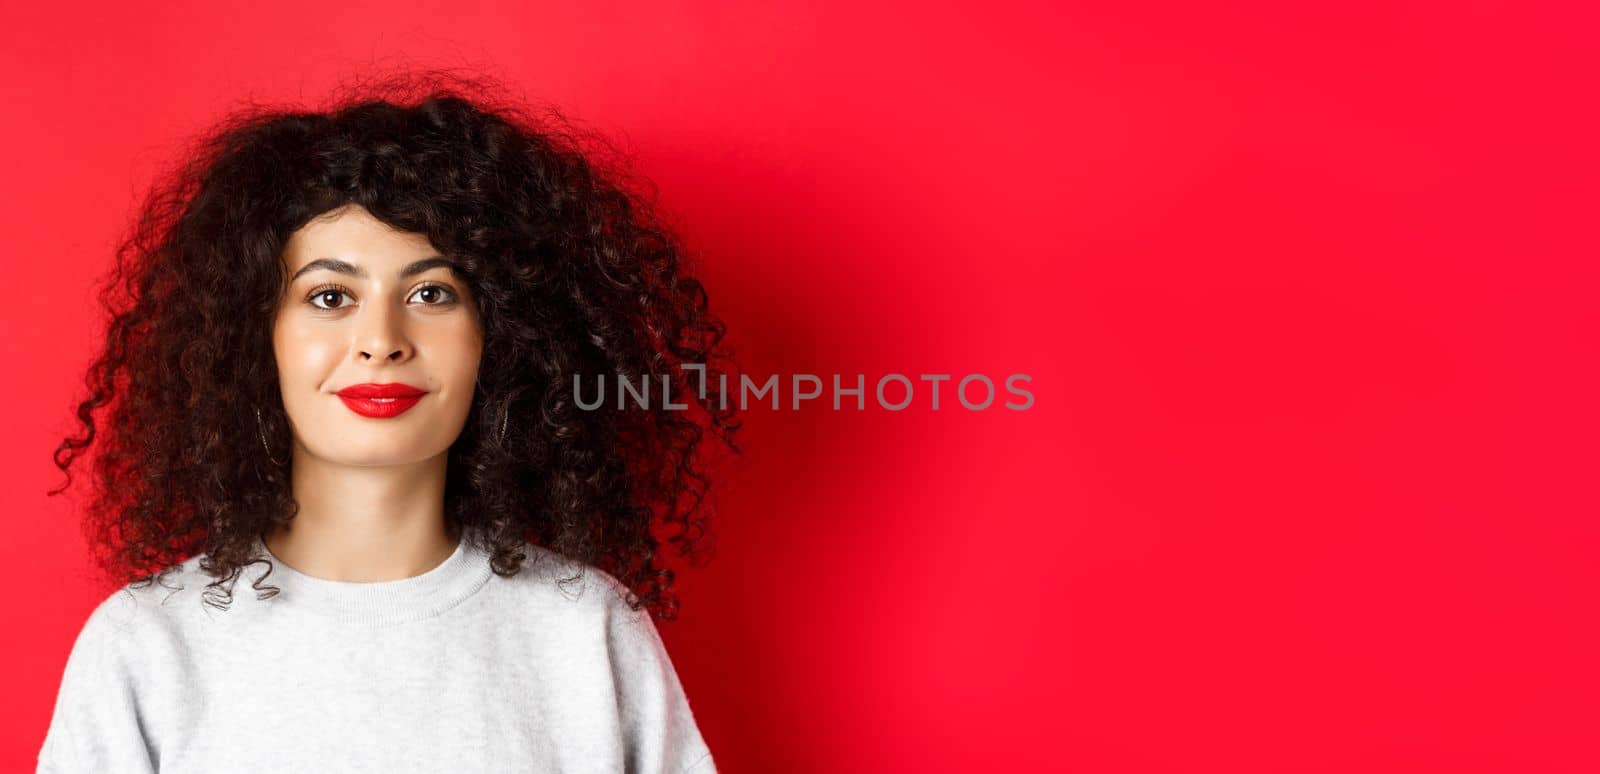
454 670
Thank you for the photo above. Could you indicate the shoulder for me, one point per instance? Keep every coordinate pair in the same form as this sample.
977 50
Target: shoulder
594 592
131 604
553 587
130 654
122 624
659 727
584 616
552 578
160 611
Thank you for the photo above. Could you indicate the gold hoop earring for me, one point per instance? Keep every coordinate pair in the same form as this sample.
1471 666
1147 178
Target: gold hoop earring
261 431
477 384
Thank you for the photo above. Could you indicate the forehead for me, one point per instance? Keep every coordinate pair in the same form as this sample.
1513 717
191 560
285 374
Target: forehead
352 234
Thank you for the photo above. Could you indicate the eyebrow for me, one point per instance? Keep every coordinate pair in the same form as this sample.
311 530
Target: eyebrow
346 267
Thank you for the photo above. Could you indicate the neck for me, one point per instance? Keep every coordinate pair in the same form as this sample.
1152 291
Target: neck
365 524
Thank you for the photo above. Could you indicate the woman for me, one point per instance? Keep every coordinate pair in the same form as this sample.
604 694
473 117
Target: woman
342 360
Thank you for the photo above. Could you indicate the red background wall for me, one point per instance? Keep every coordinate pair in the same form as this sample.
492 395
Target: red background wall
1306 295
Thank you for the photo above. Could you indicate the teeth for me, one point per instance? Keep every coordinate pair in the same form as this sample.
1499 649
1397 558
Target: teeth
382 400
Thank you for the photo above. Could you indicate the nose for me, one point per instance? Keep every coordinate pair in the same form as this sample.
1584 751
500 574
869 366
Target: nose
381 334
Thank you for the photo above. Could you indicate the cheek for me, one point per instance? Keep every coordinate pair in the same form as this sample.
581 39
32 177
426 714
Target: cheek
304 355
457 341
462 350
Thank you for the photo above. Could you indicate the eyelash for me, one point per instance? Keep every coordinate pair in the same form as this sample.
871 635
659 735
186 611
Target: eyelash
325 289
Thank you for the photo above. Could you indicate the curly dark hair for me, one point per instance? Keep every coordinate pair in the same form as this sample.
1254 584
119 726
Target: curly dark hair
575 272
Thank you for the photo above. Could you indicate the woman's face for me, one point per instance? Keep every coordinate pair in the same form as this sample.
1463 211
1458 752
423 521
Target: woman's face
367 305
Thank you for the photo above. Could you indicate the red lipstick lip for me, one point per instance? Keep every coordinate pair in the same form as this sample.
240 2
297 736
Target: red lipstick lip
380 401
392 390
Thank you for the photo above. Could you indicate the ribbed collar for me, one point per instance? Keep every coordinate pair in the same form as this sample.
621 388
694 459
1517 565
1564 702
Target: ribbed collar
396 601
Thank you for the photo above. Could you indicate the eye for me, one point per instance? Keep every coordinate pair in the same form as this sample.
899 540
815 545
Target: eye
445 295
323 292
436 295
